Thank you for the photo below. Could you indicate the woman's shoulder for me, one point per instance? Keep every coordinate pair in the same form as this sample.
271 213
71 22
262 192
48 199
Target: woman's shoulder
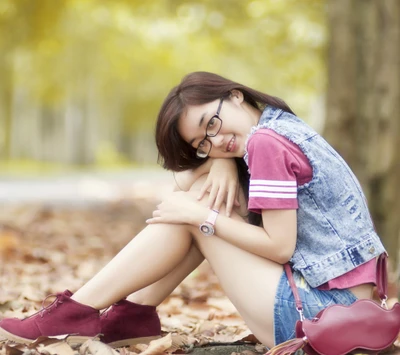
267 133
268 138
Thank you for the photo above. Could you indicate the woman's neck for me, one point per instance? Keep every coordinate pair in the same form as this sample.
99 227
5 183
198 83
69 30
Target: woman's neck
254 113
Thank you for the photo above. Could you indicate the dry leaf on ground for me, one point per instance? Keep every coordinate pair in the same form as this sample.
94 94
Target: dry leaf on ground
46 250
159 346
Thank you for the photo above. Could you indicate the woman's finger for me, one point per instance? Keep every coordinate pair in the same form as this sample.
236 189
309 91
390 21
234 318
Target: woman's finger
154 220
212 196
220 198
203 189
237 203
229 202
230 197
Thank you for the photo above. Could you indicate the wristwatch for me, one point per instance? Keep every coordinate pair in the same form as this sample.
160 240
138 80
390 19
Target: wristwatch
207 228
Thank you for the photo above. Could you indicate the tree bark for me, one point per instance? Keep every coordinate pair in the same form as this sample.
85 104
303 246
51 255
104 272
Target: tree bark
363 104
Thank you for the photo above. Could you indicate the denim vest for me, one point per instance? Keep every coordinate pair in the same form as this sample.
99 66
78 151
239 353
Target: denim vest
335 233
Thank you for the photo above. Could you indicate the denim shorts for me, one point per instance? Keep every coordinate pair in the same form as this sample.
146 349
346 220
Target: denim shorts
313 300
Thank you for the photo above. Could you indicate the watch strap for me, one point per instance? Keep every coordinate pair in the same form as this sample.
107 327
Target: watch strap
212 217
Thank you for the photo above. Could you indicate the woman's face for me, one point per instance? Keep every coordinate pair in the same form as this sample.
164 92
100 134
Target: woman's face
237 118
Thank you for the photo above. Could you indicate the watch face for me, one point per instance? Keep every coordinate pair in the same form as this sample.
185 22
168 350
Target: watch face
206 229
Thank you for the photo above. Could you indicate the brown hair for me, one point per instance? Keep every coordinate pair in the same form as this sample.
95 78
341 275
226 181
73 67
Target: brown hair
197 88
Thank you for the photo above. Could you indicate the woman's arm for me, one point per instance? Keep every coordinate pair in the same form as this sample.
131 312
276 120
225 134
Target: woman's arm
275 241
222 183
185 179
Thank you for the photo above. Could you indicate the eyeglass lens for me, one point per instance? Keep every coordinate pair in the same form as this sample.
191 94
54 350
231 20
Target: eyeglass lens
212 129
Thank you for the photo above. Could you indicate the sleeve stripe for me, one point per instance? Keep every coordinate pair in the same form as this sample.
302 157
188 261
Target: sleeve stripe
271 195
273 182
273 188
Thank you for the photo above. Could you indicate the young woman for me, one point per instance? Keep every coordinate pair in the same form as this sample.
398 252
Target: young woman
304 206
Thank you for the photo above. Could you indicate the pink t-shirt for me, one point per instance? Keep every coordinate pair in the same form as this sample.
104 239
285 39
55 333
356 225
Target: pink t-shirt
277 167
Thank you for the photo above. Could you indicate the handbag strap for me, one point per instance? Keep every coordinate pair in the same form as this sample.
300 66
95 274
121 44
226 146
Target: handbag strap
299 305
381 276
381 282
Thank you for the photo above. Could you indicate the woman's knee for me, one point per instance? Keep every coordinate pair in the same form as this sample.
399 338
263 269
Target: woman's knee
175 233
198 184
186 180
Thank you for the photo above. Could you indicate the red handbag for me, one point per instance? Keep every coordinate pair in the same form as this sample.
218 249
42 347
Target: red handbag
364 327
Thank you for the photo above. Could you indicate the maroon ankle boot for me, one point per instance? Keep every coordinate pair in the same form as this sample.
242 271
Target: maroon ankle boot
127 323
63 316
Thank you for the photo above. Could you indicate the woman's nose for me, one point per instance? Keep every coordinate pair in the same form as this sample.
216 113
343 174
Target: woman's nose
217 141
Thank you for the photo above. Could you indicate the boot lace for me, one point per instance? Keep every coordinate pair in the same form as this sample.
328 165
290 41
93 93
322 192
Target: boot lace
52 305
48 308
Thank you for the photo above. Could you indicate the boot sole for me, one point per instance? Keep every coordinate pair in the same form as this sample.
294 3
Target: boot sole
133 341
71 340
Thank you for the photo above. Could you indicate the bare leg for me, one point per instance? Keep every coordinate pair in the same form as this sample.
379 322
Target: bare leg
249 281
150 256
154 294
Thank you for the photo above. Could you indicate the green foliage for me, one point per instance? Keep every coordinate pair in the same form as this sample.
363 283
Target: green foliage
123 56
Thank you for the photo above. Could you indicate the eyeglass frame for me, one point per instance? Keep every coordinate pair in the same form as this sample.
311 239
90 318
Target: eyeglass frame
211 135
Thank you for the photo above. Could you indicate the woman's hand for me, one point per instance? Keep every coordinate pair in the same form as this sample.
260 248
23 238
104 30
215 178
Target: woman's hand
223 184
179 208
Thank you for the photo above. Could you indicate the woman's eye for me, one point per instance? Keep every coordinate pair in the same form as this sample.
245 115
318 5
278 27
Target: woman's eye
211 122
201 144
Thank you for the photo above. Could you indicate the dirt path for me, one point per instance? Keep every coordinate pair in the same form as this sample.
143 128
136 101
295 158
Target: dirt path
84 188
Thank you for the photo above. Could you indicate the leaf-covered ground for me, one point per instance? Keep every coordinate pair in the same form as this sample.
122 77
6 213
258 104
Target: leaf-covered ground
45 250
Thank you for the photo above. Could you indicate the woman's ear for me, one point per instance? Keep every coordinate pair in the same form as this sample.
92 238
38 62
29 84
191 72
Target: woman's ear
236 96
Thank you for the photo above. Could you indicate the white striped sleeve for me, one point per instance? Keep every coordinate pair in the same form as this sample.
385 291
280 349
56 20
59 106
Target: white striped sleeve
273 189
273 174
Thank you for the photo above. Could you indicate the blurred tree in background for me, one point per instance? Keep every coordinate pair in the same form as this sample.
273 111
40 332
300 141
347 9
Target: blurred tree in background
363 103
82 80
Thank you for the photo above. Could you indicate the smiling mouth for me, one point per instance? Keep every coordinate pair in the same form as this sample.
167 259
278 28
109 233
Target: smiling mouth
231 144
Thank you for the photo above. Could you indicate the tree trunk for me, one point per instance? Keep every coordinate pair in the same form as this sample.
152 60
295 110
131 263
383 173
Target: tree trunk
363 104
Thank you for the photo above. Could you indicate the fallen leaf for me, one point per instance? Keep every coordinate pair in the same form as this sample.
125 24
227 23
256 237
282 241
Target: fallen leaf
12 351
261 348
59 348
140 347
95 347
46 341
9 238
126 351
248 352
159 346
